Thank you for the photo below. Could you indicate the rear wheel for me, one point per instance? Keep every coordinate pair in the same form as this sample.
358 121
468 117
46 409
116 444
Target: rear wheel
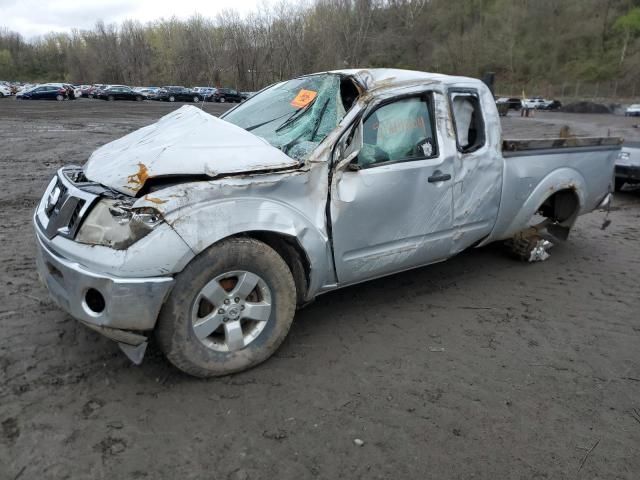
110 98
172 98
619 184
59 97
196 99
230 309
222 100
138 98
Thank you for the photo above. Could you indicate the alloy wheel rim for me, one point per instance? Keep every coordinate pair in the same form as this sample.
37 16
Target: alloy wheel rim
231 311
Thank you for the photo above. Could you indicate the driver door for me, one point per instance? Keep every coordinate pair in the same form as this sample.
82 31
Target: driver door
392 205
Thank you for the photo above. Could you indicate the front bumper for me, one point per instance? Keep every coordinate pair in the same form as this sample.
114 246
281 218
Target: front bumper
628 173
129 303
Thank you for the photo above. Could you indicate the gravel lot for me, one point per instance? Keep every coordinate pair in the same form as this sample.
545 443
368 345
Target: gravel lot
479 367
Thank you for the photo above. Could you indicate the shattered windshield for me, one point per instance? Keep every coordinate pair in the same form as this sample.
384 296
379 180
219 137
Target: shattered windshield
294 116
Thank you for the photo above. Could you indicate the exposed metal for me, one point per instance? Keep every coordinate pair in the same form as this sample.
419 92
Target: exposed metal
540 252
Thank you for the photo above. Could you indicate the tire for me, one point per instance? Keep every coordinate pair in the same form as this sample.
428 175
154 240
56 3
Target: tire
196 99
222 100
139 98
110 98
619 184
202 357
172 98
59 98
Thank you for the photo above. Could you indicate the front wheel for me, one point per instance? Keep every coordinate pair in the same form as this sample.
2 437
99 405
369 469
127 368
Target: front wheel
222 100
59 98
110 98
230 309
619 184
172 98
196 99
139 98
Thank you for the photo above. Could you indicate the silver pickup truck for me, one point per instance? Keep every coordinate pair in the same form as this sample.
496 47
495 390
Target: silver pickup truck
210 232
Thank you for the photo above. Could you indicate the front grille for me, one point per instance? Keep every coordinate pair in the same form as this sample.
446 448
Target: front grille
63 215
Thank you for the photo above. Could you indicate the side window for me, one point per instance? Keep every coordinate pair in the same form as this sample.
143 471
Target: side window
398 131
467 118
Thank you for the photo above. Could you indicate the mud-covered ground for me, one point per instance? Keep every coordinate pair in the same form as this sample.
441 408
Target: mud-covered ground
479 367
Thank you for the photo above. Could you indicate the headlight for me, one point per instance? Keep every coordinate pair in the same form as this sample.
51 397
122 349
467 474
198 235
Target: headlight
115 224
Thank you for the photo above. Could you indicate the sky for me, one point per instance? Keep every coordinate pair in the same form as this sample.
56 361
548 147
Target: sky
36 17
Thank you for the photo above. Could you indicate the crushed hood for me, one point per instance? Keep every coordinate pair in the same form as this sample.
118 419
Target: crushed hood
187 141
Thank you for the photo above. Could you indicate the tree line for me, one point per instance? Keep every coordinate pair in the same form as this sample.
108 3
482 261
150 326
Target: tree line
524 42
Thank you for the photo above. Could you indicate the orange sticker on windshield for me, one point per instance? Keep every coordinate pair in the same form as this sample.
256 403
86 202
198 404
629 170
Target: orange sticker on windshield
304 98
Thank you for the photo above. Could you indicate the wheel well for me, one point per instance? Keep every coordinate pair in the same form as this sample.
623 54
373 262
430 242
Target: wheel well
293 254
561 206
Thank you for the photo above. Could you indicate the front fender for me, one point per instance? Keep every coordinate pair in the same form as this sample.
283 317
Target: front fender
207 224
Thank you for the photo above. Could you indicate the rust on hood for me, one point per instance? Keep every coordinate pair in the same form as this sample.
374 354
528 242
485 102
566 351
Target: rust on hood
140 176
157 201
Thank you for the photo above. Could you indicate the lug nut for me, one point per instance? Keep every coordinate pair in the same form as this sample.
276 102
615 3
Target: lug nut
227 301
237 299
241 307
225 319
221 311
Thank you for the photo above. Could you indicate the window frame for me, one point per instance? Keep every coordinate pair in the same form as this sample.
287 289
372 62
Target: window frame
428 98
474 93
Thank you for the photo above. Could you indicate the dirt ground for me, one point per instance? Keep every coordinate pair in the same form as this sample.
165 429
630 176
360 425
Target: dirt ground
479 367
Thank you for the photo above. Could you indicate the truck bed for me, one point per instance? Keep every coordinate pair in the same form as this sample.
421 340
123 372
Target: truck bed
512 148
536 169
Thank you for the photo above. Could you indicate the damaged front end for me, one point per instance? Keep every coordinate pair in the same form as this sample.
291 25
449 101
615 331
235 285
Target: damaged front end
94 259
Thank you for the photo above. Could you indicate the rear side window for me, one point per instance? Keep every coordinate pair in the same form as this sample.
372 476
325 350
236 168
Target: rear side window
467 118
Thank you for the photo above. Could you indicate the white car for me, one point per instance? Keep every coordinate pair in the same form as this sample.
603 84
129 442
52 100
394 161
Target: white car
632 110
5 91
536 103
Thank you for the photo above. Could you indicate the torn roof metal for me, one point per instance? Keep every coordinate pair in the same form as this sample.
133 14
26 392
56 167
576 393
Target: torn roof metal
188 141
374 78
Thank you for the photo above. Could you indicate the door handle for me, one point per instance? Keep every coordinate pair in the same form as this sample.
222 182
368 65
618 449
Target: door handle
439 177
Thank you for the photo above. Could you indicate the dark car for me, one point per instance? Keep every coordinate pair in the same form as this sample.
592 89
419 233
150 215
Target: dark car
178 94
226 95
44 92
554 105
119 92
512 103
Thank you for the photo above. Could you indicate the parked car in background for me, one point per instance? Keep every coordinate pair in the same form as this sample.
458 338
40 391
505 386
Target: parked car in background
553 105
206 92
47 91
93 91
535 102
149 92
5 91
628 165
178 94
211 231
120 92
632 110
226 95
72 91
512 102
